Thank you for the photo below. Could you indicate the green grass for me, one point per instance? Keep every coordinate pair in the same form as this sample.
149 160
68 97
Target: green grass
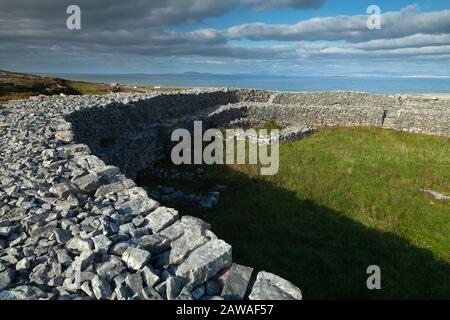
344 199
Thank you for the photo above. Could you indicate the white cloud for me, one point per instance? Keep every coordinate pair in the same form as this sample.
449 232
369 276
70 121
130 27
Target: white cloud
143 28
406 22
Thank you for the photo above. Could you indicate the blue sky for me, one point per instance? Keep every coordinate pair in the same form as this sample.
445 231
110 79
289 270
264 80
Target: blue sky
283 37
331 8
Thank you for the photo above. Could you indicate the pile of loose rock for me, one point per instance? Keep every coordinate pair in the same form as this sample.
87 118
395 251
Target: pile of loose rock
169 195
295 133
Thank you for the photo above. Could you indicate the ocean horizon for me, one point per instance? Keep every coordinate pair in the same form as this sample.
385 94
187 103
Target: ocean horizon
373 84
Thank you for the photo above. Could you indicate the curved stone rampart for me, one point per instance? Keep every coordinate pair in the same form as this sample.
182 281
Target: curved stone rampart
73 224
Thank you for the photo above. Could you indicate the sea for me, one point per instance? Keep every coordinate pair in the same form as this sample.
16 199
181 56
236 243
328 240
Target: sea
374 84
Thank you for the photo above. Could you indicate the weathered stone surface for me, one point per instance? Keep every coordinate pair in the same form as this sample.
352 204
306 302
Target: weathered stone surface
23 293
87 184
205 262
79 244
83 260
101 288
236 281
151 294
61 190
63 257
272 287
62 236
151 279
135 258
122 293
173 232
119 248
161 218
154 244
88 161
6 278
135 201
87 288
195 225
105 171
437 195
185 295
56 282
6 231
23 264
213 288
173 287
110 269
135 283
185 245
212 298
113 187
102 243
68 150
198 293
64 136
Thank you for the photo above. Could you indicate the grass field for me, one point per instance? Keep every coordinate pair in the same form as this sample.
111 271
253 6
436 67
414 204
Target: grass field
344 199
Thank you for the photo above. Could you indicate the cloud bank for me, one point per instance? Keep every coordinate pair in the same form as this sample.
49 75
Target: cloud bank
31 30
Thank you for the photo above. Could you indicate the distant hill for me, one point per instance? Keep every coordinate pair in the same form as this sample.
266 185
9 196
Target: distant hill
14 85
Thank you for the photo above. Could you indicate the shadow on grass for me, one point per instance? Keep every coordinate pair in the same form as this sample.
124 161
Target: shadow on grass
319 249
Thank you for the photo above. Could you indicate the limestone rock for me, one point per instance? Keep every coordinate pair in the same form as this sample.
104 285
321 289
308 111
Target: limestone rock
101 288
110 269
6 231
154 244
185 245
150 277
135 283
79 244
87 184
236 281
185 295
61 190
62 236
173 287
122 293
102 243
272 287
135 258
198 293
151 294
113 187
213 288
23 264
64 136
161 218
137 205
83 261
205 262
23 293
6 278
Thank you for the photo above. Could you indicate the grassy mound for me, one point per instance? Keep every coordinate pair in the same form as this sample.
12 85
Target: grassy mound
15 85
344 199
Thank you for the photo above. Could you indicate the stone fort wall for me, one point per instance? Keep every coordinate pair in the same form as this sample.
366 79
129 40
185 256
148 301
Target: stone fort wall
73 223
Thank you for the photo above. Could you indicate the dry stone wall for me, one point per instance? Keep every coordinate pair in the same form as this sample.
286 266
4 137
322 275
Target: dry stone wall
74 225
